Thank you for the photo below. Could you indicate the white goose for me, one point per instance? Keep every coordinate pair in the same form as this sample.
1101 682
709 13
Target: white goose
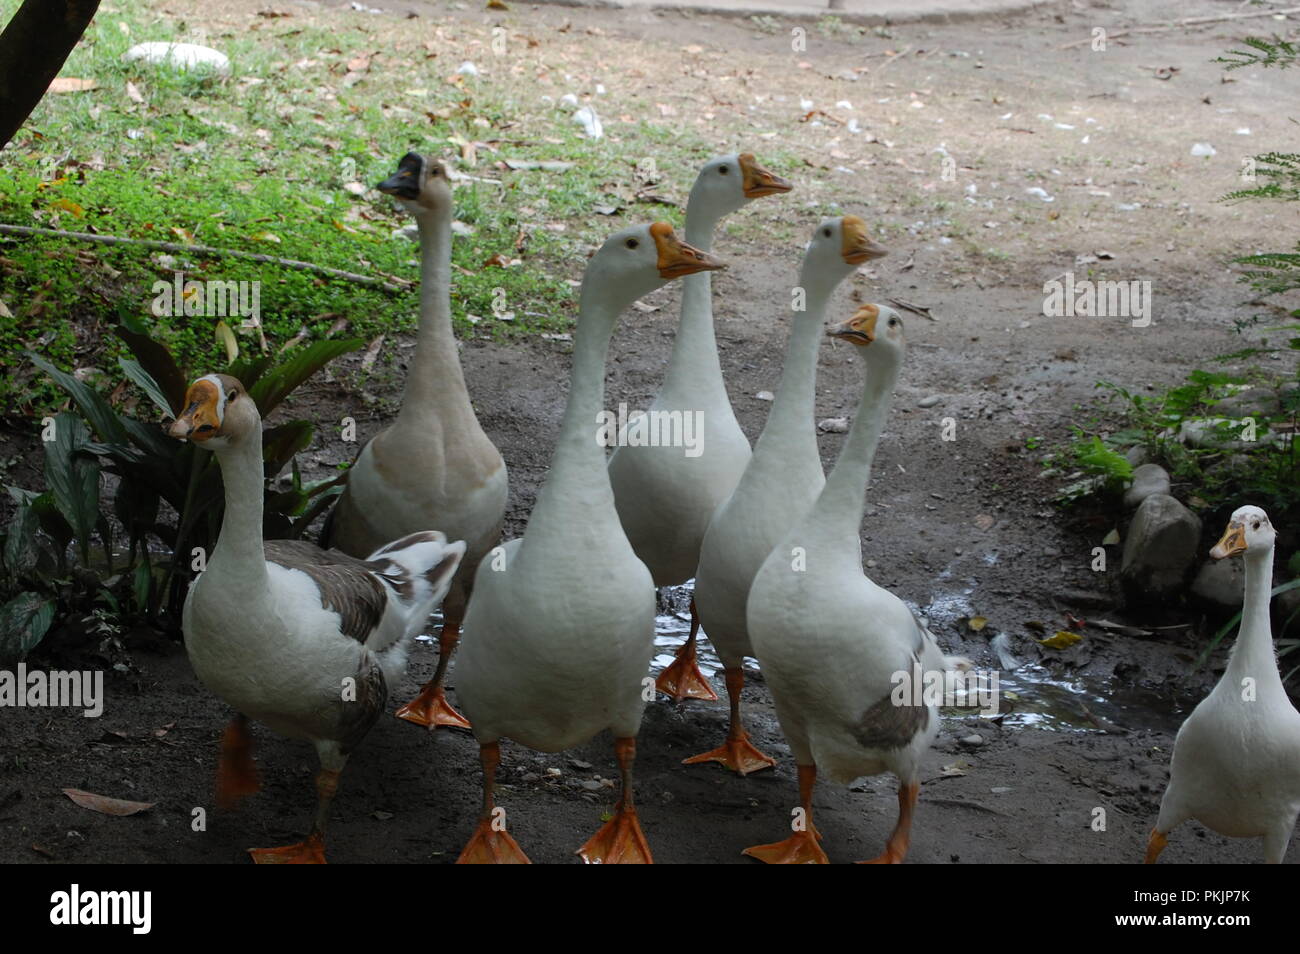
561 628
1236 761
830 641
434 466
782 480
303 639
664 496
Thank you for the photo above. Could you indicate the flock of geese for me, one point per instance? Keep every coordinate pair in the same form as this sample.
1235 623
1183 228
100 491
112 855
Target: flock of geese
559 623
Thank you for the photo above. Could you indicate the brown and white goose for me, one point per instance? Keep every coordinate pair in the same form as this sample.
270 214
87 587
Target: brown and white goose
302 639
434 466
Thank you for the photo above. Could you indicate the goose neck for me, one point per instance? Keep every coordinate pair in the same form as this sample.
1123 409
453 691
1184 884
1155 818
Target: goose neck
1253 655
239 544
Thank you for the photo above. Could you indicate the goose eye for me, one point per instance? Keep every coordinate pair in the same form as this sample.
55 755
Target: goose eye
826 232
893 322
724 169
1254 525
231 396
632 243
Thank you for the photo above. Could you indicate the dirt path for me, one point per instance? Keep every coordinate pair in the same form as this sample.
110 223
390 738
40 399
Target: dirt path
1002 370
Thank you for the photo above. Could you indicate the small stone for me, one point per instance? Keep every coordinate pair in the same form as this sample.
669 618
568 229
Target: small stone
531 777
765 396
973 739
930 401
1161 545
1136 455
1220 583
592 785
1148 479
833 425
1000 790
579 764
554 772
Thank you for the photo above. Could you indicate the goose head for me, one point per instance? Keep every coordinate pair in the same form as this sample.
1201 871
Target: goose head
637 260
419 184
876 331
727 183
1248 532
838 245
218 413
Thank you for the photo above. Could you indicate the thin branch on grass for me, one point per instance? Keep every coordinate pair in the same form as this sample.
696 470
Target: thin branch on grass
212 250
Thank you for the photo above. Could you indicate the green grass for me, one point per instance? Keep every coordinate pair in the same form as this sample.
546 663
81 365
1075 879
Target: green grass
259 161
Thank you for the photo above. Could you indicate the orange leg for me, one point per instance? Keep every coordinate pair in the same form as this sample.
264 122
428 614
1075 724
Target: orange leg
801 848
737 753
683 679
896 847
310 851
620 840
431 708
491 844
236 771
1155 844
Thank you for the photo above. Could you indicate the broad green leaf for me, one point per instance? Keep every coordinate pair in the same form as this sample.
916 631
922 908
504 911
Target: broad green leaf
279 444
145 380
24 621
156 361
52 522
142 583
20 553
281 381
73 478
93 406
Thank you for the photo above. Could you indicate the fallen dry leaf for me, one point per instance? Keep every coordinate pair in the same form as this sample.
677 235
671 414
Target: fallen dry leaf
977 623
1061 640
105 805
67 84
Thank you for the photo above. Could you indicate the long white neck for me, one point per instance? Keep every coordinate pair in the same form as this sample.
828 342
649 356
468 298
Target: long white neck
1253 655
790 422
238 552
577 487
837 514
434 381
694 367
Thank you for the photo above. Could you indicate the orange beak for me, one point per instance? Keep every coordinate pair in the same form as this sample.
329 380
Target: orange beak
857 246
676 258
757 182
860 329
1231 543
199 421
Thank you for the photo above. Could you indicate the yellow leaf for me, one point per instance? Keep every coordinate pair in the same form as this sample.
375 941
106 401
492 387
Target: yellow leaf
976 623
67 205
345 228
265 237
185 235
67 84
1063 639
227 338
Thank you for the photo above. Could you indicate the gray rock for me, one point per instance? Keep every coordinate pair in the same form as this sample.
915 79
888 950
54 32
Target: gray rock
1160 548
1249 402
930 401
1219 583
1148 479
1136 455
974 739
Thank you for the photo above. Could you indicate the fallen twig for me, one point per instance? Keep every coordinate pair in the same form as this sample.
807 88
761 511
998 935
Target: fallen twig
210 250
1180 24
921 310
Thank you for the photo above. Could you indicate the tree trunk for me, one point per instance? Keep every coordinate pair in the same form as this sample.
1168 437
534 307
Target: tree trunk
33 48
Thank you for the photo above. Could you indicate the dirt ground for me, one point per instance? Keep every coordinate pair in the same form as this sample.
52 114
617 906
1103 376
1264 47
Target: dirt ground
1001 369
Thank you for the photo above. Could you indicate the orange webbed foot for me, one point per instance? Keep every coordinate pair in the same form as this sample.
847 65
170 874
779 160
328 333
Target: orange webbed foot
1155 844
683 678
739 755
308 852
620 841
431 708
488 846
801 848
236 770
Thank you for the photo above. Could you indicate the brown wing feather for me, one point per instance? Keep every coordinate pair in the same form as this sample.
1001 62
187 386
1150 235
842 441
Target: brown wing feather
348 586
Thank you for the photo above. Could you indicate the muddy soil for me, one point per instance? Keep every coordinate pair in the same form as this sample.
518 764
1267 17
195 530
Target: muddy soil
1029 790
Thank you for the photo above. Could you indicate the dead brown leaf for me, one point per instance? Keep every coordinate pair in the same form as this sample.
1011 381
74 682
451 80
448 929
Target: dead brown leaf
105 805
